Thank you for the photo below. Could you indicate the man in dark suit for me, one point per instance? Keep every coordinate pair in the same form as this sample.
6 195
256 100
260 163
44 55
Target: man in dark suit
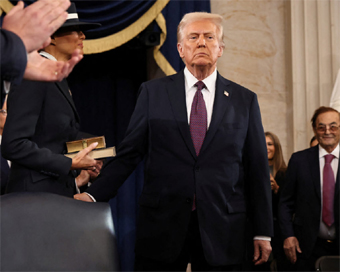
206 168
312 194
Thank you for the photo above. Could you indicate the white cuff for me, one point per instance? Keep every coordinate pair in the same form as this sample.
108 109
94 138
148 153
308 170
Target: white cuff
77 189
93 199
265 238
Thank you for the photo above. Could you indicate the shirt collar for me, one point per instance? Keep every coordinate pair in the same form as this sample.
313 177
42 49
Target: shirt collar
47 55
323 152
209 81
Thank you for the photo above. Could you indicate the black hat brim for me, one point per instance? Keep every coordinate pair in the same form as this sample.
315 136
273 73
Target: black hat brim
82 25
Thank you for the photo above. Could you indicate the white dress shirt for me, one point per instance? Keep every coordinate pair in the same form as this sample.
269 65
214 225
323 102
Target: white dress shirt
208 92
326 232
47 55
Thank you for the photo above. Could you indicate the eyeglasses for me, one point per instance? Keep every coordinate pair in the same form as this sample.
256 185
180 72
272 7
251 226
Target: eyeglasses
4 112
323 128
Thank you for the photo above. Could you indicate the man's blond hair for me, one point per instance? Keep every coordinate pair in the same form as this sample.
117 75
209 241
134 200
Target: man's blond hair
200 16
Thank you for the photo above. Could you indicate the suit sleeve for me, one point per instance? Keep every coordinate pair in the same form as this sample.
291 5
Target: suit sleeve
129 153
287 199
257 174
25 103
13 57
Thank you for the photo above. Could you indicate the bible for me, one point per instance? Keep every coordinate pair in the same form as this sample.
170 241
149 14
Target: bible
100 152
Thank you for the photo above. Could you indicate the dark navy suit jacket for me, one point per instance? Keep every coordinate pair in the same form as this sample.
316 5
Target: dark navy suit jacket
230 177
13 57
41 119
301 195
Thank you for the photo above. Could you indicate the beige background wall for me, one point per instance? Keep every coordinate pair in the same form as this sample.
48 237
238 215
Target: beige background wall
287 52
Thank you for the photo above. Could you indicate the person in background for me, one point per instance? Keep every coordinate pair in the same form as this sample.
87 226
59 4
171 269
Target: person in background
313 141
23 32
206 167
277 165
41 118
277 168
309 202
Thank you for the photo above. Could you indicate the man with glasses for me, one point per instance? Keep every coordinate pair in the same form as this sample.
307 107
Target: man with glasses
311 194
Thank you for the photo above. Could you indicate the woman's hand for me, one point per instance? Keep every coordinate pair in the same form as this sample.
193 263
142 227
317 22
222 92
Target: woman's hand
274 185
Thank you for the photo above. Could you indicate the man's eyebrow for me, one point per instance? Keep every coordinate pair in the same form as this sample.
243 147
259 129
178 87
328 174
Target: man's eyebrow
328 124
204 33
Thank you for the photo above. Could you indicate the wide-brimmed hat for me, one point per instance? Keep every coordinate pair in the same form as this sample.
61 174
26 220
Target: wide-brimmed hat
73 20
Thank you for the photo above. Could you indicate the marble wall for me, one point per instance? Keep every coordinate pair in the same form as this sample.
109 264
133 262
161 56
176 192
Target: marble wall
254 57
268 45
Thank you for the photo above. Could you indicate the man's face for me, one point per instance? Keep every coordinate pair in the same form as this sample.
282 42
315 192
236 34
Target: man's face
200 45
327 130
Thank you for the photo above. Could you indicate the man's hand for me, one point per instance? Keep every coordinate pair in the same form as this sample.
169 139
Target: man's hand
83 197
41 69
290 246
83 178
37 22
83 161
95 173
262 251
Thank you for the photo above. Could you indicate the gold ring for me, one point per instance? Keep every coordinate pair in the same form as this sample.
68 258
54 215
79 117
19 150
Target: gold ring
56 73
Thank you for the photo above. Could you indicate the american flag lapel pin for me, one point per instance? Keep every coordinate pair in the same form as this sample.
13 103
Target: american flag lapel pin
226 93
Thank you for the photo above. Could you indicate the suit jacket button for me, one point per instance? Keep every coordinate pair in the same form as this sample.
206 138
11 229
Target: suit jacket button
197 168
188 200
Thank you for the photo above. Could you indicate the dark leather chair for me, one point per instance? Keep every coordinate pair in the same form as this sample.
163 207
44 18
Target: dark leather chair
48 232
328 263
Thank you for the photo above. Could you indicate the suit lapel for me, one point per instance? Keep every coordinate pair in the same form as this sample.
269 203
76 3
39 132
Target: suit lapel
314 166
63 87
221 104
337 189
176 93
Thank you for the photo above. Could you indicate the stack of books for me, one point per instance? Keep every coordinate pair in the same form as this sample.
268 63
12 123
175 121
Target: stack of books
100 152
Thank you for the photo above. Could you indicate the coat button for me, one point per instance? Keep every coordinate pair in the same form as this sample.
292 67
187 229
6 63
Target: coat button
197 169
188 200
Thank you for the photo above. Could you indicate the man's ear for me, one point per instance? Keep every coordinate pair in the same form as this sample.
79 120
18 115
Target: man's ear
221 49
180 50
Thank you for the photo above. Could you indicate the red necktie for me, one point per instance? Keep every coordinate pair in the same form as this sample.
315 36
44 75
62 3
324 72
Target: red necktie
328 192
198 122
198 118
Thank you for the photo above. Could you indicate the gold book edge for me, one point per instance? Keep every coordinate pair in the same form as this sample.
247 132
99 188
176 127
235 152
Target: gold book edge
97 153
74 146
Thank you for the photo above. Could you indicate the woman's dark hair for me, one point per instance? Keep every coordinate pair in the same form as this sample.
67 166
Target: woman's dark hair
278 160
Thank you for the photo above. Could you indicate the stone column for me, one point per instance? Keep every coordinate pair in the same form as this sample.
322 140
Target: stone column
314 27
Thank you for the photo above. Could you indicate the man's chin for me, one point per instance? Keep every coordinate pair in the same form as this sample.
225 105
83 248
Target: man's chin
328 144
202 64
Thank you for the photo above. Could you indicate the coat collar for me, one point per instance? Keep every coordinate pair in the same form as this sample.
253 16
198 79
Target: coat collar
63 87
223 96
314 166
176 93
